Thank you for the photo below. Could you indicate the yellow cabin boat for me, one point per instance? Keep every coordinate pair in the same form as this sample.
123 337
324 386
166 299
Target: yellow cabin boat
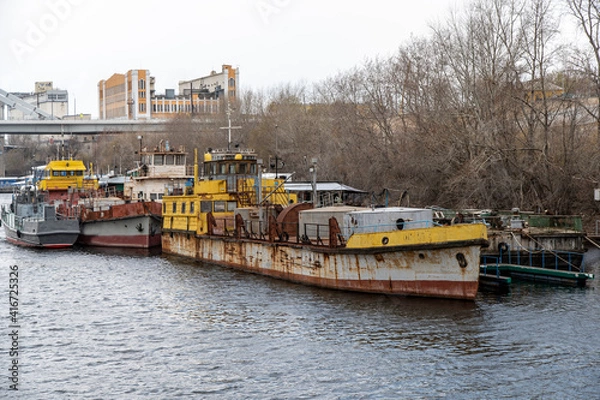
64 175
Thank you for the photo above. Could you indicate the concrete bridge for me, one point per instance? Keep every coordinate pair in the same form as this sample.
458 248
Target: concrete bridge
65 128
79 127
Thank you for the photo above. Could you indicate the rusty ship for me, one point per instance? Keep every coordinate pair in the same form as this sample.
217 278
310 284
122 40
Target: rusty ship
130 217
133 218
234 217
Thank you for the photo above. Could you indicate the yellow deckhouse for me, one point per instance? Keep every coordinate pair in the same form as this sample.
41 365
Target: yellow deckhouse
62 175
229 182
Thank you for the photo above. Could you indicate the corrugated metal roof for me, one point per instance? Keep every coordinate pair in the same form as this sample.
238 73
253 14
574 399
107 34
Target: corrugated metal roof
321 187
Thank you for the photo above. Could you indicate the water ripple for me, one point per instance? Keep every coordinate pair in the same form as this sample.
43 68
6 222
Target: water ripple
100 324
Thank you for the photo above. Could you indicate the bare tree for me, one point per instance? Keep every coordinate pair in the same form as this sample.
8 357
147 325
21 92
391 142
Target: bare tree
587 17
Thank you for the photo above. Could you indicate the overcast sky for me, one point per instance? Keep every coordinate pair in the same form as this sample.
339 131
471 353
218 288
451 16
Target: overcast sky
76 43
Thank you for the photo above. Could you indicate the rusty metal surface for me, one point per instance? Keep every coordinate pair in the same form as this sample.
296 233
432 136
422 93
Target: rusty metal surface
434 272
120 211
520 240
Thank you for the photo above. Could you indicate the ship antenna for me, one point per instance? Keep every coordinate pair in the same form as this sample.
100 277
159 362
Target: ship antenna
229 127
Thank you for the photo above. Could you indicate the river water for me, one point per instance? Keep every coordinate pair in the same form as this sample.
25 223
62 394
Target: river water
109 324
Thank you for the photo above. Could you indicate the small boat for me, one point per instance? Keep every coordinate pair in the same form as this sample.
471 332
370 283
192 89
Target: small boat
30 220
236 218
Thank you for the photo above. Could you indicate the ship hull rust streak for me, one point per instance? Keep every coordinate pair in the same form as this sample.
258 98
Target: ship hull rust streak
424 270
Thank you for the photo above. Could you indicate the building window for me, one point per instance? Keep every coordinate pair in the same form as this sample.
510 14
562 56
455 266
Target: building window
142 95
142 107
231 82
142 84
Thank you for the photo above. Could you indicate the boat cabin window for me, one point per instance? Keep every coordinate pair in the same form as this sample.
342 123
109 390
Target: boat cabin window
231 168
205 206
231 205
164 208
183 207
170 159
192 207
158 159
180 159
219 206
174 207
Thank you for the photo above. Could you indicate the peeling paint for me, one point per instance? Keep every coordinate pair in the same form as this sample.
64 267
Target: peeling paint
433 273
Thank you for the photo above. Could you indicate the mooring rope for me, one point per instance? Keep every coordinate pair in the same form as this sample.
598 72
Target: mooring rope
543 249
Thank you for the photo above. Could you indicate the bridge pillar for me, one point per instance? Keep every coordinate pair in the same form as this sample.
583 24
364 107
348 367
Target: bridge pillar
2 165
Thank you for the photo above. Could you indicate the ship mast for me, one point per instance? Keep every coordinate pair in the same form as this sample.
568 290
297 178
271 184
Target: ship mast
229 127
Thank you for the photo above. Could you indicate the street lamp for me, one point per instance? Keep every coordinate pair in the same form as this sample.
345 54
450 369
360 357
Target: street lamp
140 139
313 170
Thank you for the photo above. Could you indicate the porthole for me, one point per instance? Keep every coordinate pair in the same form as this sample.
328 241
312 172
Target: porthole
400 224
385 240
462 261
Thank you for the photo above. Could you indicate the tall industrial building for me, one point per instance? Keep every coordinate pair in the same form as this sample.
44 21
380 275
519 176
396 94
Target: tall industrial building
132 95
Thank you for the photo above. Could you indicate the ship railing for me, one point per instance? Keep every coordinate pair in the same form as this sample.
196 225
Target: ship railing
492 263
549 259
317 234
312 233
